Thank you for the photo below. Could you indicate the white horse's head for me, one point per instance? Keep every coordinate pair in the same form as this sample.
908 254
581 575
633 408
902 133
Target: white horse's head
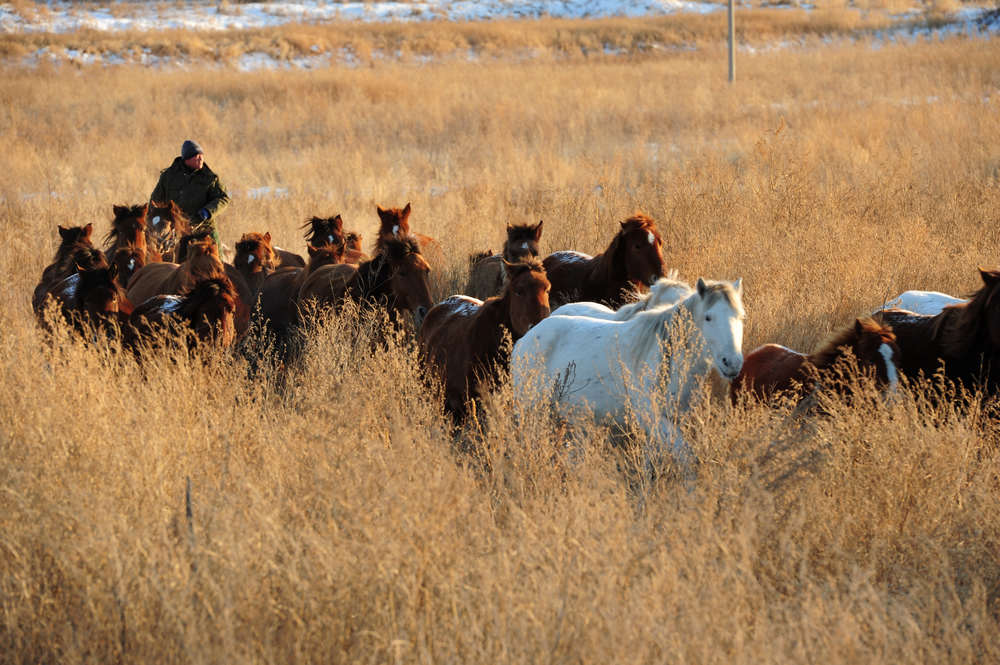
717 310
667 290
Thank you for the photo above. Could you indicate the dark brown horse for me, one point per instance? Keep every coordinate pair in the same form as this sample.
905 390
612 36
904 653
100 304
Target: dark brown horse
127 260
204 314
395 223
90 299
486 269
255 259
279 293
75 245
352 249
320 231
128 229
462 338
166 224
394 280
964 337
201 262
772 370
633 259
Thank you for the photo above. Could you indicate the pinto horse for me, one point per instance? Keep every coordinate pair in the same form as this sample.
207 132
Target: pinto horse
608 366
634 258
772 369
74 245
166 223
205 314
665 291
128 230
395 279
255 259
486 269
279 292
462 338
964 337
90 299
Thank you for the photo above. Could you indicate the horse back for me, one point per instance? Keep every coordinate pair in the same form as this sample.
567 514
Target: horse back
568 272
446 342
769 369
288 259
915 338
150 280
328 284
485 277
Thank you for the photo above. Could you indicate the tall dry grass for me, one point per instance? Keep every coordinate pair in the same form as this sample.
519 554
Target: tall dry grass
333 515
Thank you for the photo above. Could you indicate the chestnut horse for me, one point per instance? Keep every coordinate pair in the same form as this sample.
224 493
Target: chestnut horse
462 338
166 223
74 242
771 370
395 223
128 229
90 299
127 260
964 337
395 279
255 259
633 259
279 292
205 314
486 269
321 231
201 262
352 249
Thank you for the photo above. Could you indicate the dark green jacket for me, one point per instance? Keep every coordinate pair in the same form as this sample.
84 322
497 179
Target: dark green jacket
191 190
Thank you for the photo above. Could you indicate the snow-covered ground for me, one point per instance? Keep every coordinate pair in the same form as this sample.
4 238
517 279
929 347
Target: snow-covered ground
58 16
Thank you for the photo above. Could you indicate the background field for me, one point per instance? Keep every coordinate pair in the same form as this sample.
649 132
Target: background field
335 519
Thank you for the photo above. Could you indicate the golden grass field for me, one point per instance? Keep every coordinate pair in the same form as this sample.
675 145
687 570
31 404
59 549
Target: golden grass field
334 517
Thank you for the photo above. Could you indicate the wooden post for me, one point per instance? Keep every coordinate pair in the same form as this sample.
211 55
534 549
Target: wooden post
732 43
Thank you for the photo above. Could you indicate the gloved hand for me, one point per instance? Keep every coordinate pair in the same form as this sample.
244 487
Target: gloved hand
203 214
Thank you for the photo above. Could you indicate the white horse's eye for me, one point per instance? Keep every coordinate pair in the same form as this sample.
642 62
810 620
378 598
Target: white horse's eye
708 317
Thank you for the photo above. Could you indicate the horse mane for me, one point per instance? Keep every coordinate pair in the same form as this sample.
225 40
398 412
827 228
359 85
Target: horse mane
651 297
208 289
398 248
186 240
515 270
251 241
637 222
832 349
521 232
958 327
315 224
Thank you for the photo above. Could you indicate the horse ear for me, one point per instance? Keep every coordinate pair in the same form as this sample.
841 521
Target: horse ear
509 228
112 271
702 287
338 223
538 231
88 230
63 232
859 328
119 210
738 286
380 210
267 236
990 277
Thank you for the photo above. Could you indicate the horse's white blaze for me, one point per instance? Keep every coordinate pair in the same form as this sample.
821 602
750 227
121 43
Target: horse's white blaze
156 220
890 366
610 366
524 245
665 291
329 239
250 259
395 229
131 264
652 238
922 302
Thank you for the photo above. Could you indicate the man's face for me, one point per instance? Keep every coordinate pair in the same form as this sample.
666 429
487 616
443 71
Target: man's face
195 162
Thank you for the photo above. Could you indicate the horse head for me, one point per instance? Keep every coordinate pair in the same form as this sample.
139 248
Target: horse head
874 345
991 307
324 255
75 235
127 260
638 249
324 231
128 226
409 276
522 242
393 223
97 293
717 311
526 294
210 306
198 243
255 253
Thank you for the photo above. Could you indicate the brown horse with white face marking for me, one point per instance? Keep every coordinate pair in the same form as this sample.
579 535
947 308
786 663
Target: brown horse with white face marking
127 260
965 337
486 269
634 259
74 243
166 224
320 232
205 314
255 259
462 338
395 280
201 261
771 370
90 300
128 230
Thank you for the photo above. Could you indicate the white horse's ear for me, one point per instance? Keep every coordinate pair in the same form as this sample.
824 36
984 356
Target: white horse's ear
738 286
702 287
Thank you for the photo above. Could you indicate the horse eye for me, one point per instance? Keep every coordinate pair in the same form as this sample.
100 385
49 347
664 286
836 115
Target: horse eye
708 317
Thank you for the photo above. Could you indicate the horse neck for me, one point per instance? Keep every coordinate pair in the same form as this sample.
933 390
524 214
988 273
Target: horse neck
628 311
491 319
959 330
372 279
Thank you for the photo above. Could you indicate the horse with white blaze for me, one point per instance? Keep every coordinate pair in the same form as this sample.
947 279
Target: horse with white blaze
611 366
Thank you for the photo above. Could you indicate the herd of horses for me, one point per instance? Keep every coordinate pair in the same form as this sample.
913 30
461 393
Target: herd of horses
602 332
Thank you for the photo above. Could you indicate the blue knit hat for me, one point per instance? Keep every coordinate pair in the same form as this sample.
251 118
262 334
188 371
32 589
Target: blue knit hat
190 149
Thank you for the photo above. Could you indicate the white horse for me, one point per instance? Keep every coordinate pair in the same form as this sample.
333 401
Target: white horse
921 302
608 366
665 291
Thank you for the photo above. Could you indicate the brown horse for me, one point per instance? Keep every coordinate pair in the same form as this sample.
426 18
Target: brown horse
395 223
204 314
90 299
74 242
633 259
127 260
395 279
279 292
321 231
352 249
255 259
771 370
486 269
166 223
128 229
462 338
201 262
964 337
